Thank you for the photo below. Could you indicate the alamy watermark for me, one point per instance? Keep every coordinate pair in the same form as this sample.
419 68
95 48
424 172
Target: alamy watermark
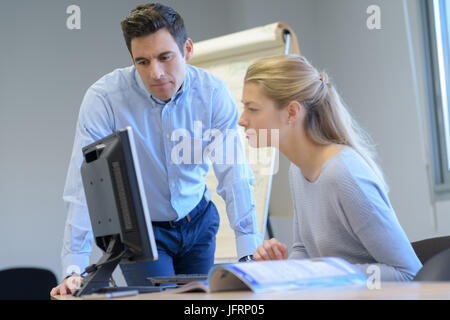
73 282
73 21
217 147
373 273
373 22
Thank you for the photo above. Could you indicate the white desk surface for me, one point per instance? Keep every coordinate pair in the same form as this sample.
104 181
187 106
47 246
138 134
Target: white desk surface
388 291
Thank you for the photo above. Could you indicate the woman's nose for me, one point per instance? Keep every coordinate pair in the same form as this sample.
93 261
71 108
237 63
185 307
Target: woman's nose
242 121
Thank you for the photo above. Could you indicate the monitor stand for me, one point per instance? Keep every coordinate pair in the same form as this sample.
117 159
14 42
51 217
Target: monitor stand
97 281
99 278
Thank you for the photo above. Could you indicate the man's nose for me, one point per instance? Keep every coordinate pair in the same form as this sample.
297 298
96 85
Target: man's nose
156 71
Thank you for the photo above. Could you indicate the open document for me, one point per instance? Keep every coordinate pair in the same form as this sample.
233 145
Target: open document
265 276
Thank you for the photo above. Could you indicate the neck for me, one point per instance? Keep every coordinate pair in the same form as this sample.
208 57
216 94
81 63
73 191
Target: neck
306 154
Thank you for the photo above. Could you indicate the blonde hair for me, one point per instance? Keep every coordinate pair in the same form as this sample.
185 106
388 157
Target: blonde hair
292 78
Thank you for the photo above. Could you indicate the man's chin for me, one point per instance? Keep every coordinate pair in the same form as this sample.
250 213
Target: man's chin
163 97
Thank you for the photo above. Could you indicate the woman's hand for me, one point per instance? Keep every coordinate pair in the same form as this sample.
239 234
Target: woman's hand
271 250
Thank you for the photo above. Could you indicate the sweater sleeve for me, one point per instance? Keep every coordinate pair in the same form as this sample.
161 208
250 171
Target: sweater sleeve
298 247
369 213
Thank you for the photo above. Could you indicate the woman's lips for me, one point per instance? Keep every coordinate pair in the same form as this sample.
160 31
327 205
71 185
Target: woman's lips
249 134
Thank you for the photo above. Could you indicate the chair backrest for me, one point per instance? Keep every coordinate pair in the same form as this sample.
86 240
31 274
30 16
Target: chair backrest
436 268
425 249
26 284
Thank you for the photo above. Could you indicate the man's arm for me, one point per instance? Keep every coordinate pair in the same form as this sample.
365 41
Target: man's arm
94 122
235 176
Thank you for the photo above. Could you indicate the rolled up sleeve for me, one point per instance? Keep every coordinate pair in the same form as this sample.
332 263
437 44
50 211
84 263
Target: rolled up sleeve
94 122
235 178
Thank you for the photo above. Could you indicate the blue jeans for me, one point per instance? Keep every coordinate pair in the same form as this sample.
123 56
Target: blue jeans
185 248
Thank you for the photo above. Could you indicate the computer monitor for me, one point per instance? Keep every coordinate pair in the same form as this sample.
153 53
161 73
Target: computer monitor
117 207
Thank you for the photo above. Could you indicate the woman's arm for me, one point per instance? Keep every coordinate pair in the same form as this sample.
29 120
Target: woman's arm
298 248
368 210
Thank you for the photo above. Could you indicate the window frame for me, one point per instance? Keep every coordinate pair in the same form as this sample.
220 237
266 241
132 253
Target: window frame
440 147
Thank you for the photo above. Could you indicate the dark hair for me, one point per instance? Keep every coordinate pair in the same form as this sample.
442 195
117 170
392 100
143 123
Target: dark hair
148 18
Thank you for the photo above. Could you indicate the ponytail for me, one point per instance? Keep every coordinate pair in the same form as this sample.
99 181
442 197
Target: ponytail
292 78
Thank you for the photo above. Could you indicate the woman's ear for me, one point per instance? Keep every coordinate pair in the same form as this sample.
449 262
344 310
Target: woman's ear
294 109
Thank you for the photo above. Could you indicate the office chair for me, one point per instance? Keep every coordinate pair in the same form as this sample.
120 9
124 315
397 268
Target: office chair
436 268
425 249
26 284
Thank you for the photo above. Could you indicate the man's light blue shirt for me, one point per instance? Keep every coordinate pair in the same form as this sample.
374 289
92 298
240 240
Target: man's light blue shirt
120 99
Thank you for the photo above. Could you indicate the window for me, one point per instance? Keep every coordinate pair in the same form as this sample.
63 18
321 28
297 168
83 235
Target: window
437 16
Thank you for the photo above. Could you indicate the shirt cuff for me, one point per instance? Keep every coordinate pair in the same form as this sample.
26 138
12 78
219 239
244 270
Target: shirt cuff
246 244
74 263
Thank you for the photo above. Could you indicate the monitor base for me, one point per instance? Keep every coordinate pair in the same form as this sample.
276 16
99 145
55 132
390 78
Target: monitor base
140 289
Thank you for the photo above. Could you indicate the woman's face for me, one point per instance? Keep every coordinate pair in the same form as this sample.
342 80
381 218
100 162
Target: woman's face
260 118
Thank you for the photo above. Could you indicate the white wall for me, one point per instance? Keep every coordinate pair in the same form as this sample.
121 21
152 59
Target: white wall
381 76
45 70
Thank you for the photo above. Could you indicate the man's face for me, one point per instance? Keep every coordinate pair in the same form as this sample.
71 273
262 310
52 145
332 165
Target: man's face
160 63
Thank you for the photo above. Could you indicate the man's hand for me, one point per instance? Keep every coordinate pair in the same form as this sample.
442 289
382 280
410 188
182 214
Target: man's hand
68 286
271 250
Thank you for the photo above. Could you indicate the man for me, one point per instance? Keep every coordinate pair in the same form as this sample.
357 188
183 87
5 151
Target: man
156 96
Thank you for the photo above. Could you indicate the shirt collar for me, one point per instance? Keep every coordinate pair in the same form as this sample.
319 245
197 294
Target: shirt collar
184 87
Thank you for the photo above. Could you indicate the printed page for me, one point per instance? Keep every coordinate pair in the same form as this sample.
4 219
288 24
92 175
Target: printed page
289 274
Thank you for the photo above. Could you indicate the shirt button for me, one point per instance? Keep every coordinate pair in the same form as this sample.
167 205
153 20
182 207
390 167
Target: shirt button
168 136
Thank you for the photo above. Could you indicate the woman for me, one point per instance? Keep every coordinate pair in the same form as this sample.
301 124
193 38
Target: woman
341 207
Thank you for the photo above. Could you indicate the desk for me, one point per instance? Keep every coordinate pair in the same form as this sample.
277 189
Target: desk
388 291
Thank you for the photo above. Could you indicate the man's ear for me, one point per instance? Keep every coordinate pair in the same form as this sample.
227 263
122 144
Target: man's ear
188 49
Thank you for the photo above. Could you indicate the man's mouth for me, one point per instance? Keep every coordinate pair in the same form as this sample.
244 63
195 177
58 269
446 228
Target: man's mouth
160 84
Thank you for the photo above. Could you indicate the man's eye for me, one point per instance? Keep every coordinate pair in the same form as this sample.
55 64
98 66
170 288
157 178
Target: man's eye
252 109
142 63
165 58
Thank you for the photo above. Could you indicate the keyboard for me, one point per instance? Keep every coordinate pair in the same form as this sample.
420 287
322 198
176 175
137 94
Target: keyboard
178 279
